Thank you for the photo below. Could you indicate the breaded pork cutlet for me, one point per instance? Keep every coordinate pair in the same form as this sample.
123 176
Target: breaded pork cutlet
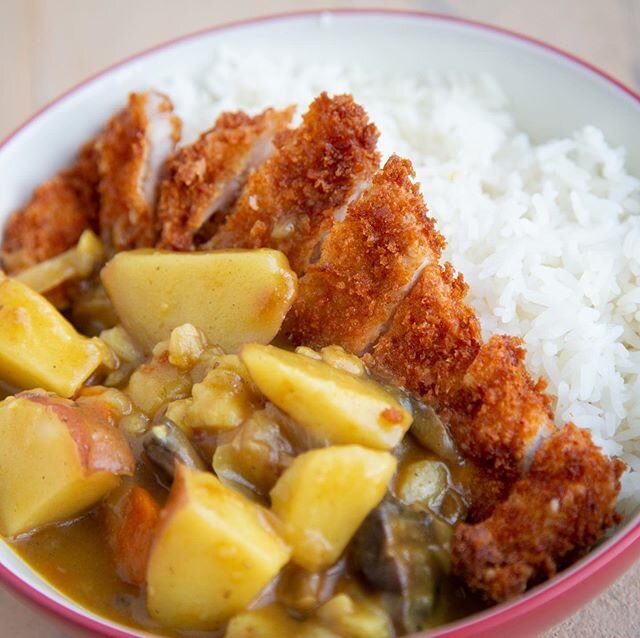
59 211
366 265
131 153
432 339
553 514
291 201
494 411
204 179
485 490
499 415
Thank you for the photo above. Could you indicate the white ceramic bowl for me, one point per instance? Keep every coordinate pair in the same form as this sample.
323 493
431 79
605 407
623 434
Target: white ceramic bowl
551 94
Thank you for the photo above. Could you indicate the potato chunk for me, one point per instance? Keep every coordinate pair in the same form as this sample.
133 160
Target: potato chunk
38 346
352 618
336 406
214 552
56 459
423 482
274 622
233 296
78 262
324 496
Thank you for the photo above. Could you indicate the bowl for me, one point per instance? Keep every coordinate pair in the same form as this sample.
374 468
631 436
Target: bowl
551 93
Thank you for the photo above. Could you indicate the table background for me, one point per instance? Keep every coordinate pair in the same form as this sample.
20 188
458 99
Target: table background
47 46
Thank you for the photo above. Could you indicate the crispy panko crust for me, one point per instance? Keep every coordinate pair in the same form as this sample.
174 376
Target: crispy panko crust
291 200
554 514
499 414
125 149
366 264
432 338
485 491
206 177
59 211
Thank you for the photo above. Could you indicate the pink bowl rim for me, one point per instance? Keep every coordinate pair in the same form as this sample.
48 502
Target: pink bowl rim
488 619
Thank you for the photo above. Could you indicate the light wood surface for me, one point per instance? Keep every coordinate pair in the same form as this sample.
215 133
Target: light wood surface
47 46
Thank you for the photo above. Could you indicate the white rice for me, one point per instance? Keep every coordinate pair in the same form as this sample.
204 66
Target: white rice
547 236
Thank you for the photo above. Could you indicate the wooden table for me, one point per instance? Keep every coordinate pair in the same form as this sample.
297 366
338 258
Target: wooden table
47 46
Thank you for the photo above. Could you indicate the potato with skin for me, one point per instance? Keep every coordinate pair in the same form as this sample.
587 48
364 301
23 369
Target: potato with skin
232 296
213 553
324 496
39 348
335 405
57 458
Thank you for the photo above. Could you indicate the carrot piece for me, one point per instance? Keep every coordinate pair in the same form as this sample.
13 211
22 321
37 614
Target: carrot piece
132 519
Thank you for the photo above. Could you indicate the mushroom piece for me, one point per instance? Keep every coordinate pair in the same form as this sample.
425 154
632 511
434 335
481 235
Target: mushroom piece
254 459
166 443
432 434
403 552
303 591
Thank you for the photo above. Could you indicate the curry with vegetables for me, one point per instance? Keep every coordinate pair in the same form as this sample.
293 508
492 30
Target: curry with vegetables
247 399
213 476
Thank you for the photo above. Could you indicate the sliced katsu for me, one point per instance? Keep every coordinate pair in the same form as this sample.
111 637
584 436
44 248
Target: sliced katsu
292 200
204 179
59 211
498 414
554 514
131 155
367 263
432 338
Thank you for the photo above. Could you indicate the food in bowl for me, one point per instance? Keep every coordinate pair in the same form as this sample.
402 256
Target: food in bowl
347 487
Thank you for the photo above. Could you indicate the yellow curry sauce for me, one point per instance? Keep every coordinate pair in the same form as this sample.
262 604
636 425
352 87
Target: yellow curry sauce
75 558
253 416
